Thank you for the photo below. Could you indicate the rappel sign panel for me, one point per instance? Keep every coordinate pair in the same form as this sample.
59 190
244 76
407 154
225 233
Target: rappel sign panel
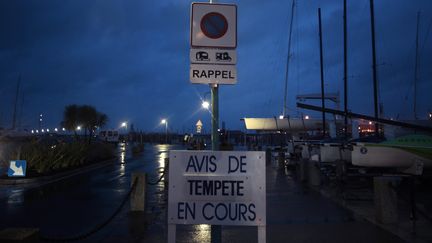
217 74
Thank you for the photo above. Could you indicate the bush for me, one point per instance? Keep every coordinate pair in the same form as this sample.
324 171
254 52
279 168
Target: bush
45 158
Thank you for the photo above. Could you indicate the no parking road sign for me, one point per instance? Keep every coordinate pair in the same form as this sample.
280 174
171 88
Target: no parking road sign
214 25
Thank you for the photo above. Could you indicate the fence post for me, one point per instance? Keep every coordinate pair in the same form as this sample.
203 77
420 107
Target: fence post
314 174
137 201
385 197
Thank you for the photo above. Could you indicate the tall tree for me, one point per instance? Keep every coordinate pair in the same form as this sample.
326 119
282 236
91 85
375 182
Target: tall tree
85 116
71 118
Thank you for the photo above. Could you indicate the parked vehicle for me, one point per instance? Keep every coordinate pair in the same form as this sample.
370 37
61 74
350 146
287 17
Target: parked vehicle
111 136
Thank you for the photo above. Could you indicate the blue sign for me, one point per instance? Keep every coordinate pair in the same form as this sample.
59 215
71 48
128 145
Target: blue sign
17 168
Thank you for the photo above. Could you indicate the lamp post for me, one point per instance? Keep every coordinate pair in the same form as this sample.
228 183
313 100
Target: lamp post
124 124
40 121
165 121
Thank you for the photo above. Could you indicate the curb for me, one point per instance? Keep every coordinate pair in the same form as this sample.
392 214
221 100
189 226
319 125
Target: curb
57 177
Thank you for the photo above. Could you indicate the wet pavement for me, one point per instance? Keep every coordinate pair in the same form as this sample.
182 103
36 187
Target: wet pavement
78 204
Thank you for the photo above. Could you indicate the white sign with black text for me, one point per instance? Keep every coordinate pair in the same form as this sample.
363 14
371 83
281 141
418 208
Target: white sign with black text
216 74
217 187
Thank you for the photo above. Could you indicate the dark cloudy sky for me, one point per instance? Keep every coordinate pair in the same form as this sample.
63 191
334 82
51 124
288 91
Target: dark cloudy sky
130 59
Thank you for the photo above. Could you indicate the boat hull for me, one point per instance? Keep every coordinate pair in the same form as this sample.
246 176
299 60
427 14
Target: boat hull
386 156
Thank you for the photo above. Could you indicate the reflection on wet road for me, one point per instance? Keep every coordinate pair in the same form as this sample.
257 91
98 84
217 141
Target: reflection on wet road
78 203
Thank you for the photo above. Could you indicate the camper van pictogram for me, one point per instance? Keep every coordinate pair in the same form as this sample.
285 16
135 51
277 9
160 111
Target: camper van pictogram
223 56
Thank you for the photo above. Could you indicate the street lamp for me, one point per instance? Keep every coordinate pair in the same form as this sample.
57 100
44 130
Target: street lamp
124 124
165 121
205 104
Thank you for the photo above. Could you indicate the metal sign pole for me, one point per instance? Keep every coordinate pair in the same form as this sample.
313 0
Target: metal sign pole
216 230
215 116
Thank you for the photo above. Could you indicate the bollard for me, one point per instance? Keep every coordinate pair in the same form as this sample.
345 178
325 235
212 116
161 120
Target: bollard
314 173
385 198
281 159
303 170
137 200
19 235
340 169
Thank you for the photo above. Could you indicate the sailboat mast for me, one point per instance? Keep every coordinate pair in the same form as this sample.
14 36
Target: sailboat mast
374 71
416 67
284 112
345 70
322 74
16 103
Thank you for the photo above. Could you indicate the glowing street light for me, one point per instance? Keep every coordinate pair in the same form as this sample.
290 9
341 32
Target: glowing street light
78 128
63 129
124 124
165 121
281 117
47 129
307 117
205 104
55 129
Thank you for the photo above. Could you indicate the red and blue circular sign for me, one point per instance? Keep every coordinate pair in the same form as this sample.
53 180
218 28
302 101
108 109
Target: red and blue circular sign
214 25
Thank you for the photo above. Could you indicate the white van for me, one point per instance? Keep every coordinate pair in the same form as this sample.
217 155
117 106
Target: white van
111 136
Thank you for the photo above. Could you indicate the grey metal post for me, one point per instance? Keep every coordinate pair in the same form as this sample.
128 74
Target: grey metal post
374 65
345 72
215 116
322 74
216 230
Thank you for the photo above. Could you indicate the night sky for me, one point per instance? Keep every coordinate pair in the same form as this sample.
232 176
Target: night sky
130 59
